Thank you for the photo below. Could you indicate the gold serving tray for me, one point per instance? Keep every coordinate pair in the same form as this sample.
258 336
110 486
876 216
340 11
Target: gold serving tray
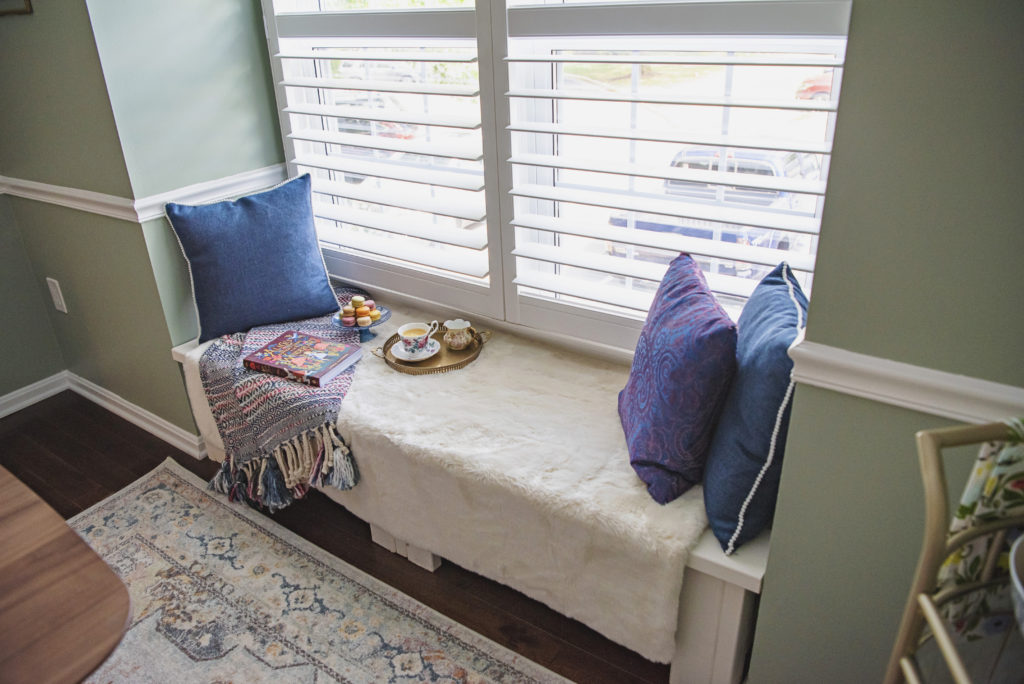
443 361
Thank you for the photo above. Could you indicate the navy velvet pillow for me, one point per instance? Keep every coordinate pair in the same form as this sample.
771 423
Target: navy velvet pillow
745 461
255 260
684 361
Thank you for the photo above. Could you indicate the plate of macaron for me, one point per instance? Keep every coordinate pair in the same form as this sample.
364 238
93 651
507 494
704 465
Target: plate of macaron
362 314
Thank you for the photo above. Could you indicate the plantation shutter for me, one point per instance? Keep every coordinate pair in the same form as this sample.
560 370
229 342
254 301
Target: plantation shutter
382 108
639 130
542 162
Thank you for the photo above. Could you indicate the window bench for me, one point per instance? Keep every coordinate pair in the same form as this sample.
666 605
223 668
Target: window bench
516 468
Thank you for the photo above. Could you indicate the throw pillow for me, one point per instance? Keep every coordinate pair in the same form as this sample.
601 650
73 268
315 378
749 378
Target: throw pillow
682 367
255 260
745 460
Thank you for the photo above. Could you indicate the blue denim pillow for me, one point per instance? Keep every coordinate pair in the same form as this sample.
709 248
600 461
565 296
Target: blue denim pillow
255 260
745 460
684 361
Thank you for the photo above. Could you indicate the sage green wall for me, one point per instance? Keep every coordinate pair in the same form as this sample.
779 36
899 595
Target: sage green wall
190 86
919 262
59 128
57 125
845 541
23 309
114 333
922 236
132 100
172 281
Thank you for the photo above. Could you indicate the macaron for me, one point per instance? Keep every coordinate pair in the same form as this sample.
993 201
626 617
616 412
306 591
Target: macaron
348 310
364 320
348 321
363 311
370 304
375 314
358 301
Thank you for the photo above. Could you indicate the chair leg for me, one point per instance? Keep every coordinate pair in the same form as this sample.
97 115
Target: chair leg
942 638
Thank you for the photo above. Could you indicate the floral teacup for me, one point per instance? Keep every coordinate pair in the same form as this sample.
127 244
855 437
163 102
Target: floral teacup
416 336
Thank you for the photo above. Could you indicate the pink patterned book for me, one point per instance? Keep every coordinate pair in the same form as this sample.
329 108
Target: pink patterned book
305 358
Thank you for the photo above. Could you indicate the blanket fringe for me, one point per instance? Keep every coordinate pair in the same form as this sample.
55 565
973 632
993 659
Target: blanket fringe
316 457
344 474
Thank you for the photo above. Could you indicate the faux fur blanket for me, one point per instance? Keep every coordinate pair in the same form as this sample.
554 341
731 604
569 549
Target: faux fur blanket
516 467
280 436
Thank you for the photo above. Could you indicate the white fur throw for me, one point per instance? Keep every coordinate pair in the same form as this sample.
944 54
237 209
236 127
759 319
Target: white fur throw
516 467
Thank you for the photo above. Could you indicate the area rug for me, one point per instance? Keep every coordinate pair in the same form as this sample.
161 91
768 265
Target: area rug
221 593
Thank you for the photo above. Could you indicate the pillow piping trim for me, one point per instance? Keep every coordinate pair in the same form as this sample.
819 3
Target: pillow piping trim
188 262
731 547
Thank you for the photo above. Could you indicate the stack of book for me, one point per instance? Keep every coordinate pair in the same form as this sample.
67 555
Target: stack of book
305 358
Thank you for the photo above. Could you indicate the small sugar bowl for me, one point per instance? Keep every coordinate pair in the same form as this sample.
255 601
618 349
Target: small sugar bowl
458 335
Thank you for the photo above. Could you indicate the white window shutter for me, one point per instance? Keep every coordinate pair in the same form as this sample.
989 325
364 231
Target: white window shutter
542 162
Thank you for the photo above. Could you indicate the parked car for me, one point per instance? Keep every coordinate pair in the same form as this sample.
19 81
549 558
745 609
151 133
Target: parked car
370 127
375 70
743 161
816 87
772 164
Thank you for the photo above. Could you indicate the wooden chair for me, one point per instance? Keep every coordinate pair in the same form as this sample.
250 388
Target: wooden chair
926 595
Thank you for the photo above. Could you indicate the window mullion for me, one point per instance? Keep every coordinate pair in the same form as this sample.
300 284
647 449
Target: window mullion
492 46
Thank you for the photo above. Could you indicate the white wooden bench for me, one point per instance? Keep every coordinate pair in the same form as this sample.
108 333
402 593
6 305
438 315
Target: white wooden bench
416 506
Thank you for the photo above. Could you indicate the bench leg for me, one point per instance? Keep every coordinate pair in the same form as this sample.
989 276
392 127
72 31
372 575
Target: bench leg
421 557
714 631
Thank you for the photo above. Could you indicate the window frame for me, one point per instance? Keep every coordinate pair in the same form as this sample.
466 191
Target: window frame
494 24
452 23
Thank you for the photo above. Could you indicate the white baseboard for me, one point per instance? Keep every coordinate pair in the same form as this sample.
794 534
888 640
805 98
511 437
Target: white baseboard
927 390
30 394
150 422
177 437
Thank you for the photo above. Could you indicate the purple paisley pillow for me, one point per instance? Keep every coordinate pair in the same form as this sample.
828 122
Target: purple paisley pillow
684 362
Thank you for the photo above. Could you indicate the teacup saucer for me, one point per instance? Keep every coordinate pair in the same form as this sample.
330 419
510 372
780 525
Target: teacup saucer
433 346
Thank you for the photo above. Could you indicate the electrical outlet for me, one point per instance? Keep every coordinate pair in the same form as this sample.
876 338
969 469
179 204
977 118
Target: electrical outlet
57 295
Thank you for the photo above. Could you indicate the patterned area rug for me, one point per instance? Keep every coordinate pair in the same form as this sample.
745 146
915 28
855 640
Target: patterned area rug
220 593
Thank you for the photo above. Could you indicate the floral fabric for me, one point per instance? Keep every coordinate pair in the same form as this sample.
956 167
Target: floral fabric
994 490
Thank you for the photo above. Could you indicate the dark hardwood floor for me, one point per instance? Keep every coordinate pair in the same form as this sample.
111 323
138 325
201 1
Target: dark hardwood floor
74 453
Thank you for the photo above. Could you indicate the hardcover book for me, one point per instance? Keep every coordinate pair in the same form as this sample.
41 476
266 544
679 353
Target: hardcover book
305 358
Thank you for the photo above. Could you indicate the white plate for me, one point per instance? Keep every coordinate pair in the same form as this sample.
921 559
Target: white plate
433 346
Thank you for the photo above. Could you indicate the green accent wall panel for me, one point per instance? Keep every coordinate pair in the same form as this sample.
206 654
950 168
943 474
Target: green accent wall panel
919 261
56 122
172 280
190 87
845 541
32 350
920 253
114 333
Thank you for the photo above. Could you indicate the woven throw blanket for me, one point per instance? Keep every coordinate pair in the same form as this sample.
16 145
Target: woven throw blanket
280 436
